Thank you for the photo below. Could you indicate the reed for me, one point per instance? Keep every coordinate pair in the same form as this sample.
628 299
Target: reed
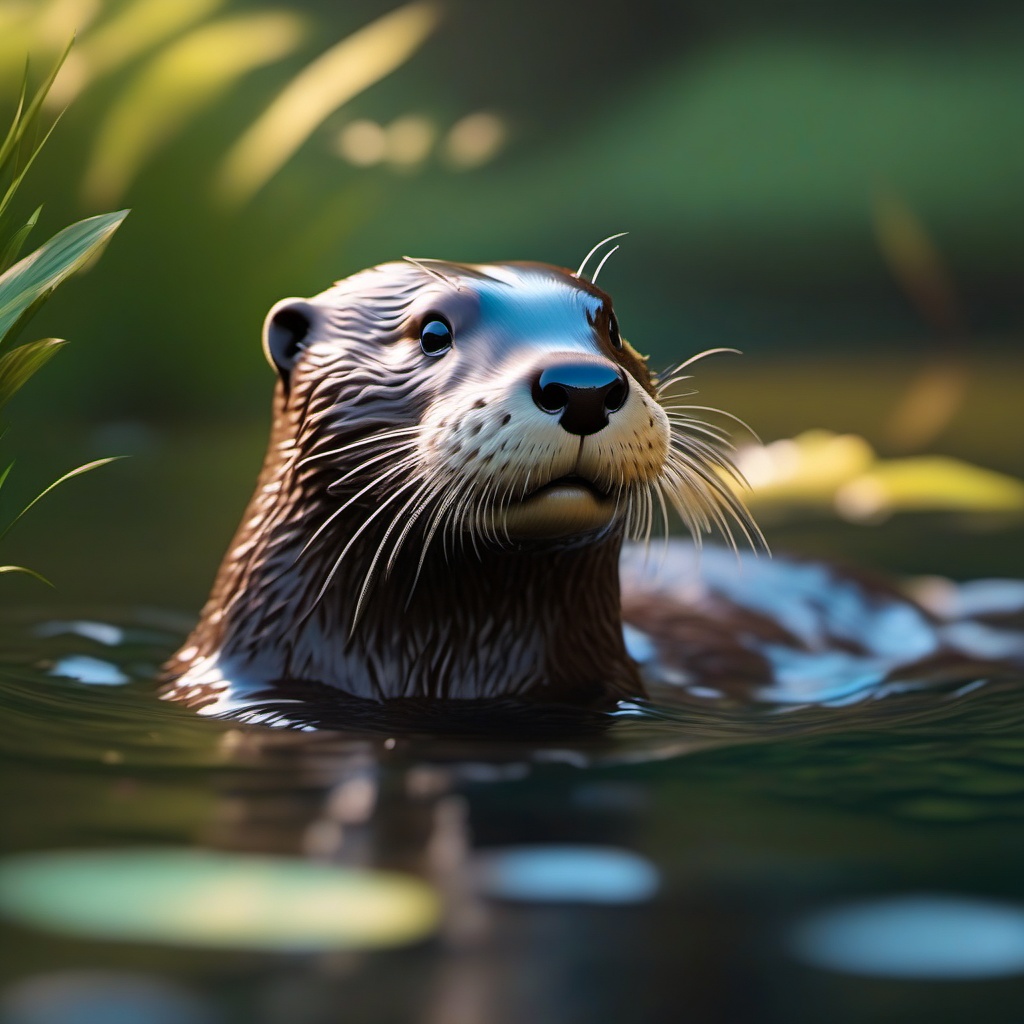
27 282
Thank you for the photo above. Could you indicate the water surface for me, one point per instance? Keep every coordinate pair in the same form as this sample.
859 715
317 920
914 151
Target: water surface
695 860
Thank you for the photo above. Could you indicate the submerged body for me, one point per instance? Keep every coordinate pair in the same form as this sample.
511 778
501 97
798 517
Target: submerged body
457 457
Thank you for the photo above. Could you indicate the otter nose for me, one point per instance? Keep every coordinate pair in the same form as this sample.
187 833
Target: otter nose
583 390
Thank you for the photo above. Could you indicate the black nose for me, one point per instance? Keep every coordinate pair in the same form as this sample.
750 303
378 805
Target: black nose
583 390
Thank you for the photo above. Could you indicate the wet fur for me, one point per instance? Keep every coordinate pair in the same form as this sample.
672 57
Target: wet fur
372 556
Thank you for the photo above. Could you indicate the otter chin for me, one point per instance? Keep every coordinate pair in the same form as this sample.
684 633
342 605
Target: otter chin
564 508
458 453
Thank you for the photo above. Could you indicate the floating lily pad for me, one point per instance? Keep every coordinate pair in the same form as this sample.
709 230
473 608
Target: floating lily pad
202 898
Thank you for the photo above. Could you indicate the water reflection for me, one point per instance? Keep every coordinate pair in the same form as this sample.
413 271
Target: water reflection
84 669
102 997
686 823
219 900
566 874
935 937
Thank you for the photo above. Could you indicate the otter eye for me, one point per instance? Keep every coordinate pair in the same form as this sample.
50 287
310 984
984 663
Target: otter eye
613 331
435 336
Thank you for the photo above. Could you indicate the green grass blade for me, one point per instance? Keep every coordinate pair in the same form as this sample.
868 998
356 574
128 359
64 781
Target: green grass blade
14 245
27 572
9 145
19 365
25 167
41 271
27 115
5 474
18 239
56 483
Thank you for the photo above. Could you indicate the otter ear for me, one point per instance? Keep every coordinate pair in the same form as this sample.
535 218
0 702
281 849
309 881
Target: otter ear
287 326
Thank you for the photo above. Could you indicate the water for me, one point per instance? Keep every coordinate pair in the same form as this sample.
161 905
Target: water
695 861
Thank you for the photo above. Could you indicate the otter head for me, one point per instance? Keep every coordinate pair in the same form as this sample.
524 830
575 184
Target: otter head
458 453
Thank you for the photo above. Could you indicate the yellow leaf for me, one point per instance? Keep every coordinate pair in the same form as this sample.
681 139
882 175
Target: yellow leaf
929 483
331 80
176 85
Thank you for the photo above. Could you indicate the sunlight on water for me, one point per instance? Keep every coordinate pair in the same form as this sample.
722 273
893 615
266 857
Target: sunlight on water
566 874
89 670
196 898
937 937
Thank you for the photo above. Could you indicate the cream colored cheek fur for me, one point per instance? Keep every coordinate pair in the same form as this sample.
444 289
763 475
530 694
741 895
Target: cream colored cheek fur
499 436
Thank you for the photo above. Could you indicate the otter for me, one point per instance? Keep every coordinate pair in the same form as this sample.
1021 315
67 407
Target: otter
458 455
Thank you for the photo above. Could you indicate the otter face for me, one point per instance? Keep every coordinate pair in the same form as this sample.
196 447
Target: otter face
544 421
497 402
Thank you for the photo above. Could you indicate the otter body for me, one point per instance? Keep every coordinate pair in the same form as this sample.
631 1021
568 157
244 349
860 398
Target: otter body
457 455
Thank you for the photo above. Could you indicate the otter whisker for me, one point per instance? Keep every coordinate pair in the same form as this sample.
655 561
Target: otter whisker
607 256
377 480
425 486
687 425
432 530
700 451
429 492
631 499
673 374
455 508
492 508
648 507
360 443
355 536
335 486
483 516
604 241
433 273
691 513
693 359
410 459
664 400
716 497
479 527
720 412
656 488
503 505
526 484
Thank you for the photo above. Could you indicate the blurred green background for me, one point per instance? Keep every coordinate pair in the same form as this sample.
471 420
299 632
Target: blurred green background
836 189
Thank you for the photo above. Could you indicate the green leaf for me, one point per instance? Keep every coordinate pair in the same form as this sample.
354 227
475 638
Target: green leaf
9 145
27 572
13 248
54 261
56 483
26 115
18 365
14 332
24 169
